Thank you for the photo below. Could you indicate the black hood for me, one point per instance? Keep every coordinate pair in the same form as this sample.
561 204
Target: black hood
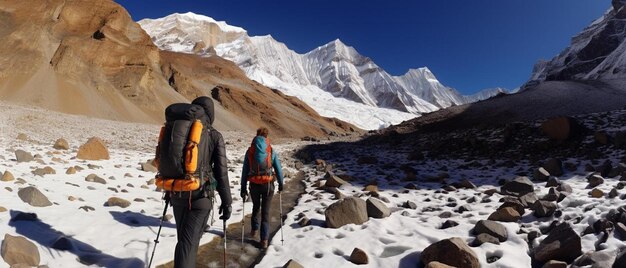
207 104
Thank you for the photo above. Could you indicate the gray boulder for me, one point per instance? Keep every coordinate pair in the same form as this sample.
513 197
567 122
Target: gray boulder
23 156
19 250
492 228
333 180
452 251
518 187
351 210
562 244
376 208
543 208
33 197
95 178
554 167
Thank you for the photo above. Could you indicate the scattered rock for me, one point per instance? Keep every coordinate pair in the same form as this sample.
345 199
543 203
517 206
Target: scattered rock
3 209
61 144
595 259
118 202
409 205
620 260
33 197
377 209
70 171
436 264
492 228
71 198
554 167
7 176
594 180
514 204
19 250
23 156
562 244
453 252
518 187
304 221
149 167
43 171
543 208
485 238
93 149
334 181
505 214
292 264
22 137
613 193
95 178
87 208
597 193
553 182
467 184
541 174
346 211
449 224
359 256
555 264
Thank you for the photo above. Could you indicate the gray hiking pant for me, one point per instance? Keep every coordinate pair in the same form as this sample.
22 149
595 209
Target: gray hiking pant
189 228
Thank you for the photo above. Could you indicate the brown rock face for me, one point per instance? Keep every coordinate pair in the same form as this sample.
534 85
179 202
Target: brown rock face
18 250
453 252
93 149
359 256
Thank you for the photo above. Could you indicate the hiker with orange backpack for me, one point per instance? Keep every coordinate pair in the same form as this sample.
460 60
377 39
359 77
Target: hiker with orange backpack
261 167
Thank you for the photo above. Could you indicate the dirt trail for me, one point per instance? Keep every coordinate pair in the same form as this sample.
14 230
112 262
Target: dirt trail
211 254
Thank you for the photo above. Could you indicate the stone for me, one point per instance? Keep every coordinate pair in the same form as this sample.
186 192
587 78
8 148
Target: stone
22 137
33 197
564 188
541 174
561 128
7 176
492 228
528 199
467 184
19 250
613 193
371 188
620 260
409 205
452 251
562 244
304 221
93 149
449 224
377 209
292 264
514 204
555 264
518 187
70 171
436 264
543 208
594 180
620 229
485 238
553 182
595 259
149 167
23 156
350 210
505 214
3 209
596 193
61 144
554 167
43 171
117 202
95 178
334 181
359 257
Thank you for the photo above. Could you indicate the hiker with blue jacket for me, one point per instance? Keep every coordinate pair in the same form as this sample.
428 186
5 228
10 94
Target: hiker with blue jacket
261 167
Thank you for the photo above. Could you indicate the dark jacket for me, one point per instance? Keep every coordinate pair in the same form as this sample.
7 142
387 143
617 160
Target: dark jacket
261 146
217 162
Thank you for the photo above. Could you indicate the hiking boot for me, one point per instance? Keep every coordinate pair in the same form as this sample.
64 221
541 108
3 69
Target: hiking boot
264 244
253 233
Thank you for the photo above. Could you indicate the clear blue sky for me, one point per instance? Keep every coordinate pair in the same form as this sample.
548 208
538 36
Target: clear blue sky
468 44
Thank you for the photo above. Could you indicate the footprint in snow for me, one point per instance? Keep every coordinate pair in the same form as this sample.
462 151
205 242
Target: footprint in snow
393 251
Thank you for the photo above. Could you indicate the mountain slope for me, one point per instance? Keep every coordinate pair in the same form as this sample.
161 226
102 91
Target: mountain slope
91 58
332 78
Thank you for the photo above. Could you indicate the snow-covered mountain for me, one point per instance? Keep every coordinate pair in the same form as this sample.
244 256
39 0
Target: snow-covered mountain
486 94
597 53
334 79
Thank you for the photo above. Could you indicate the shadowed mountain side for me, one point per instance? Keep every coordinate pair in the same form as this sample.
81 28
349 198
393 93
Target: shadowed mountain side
90 58
244 99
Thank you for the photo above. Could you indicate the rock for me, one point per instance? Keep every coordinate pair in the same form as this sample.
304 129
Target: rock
334 181
541 174
452 251
561 128
518 187
555 264
595 259
3 209
543 208
562 244
492 228
564 188
43 171
594 180
19 250
613 193
351 210
485 238
506 214
436 264
554 167
597 193
304 221
377 209
95 178
620 260
449 224
409 205
292 264
553 182
367 160
514 204
70 171
467 184
61 144
359 256
7 176
528 199
371 188
33 197
93 149
620 229
22 137
23 156
149 167
117 202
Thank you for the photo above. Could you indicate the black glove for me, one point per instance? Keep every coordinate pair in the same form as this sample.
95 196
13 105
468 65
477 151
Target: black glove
280 187
243 193
225 211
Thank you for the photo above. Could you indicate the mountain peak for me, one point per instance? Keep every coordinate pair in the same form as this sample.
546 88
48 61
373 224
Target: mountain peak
193 19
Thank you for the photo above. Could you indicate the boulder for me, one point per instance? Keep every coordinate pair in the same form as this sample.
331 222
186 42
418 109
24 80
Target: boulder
334 181
70 171
117 202
492 228
351 210
528 199
554 167
43 171
61 144
595 259
505 214
449 224
518 187
596 193
485 238
555 264
149 167
409 205
93 149
292 264
543 208
467 184
23 156
594 180
19 250
514 204
436 264
553 182
33 197
620 260
562 244
620 229
377 209
359 256
452 251
95 178
7 176
541 174
561 128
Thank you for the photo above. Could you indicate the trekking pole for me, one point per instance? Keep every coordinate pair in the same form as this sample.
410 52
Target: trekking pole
280 201
156 241
224 222
243 223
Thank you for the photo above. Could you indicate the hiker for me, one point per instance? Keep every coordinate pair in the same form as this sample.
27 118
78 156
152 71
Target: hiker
192 207
259 165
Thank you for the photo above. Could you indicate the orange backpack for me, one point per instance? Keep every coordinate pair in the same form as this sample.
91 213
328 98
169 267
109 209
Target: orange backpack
260 172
